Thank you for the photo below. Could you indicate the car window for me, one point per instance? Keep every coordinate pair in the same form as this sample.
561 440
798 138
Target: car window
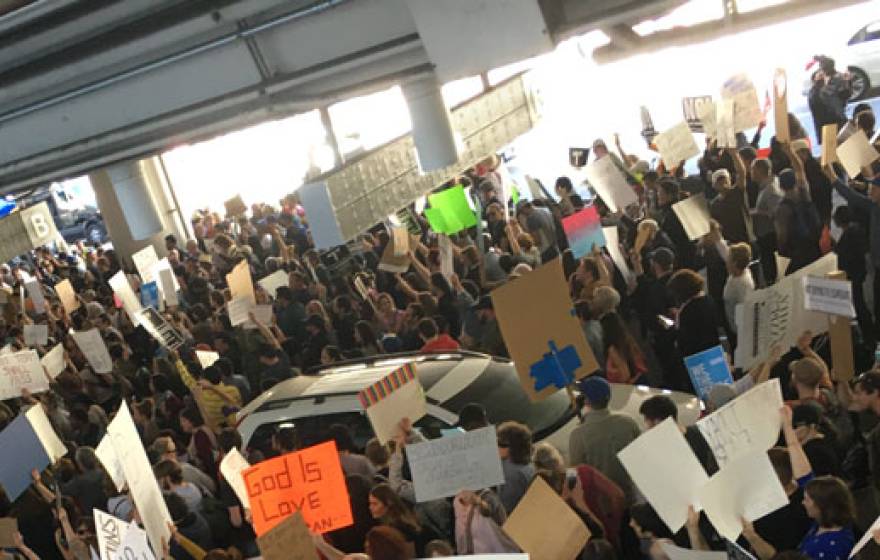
872 31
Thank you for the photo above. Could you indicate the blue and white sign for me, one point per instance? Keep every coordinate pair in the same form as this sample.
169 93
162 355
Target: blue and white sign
708 368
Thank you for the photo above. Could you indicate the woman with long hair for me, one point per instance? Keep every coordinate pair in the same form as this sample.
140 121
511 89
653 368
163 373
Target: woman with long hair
390 510
624 360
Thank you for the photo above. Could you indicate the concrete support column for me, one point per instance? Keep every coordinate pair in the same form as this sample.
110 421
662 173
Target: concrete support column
137 205
431 129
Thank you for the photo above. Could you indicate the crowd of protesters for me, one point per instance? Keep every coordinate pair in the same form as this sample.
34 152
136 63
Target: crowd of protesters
340 305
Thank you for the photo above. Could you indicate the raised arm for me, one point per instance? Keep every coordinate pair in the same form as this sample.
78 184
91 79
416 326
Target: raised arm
422 270
852 197
739 167
800 464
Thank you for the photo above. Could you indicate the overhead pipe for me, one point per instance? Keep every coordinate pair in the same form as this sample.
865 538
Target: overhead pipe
240 34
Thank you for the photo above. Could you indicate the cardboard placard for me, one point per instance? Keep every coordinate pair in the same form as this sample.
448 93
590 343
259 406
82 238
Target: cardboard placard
122 288
677 145
617 257
396 396
35 292
829 144
583 230
235 206
231 467
274 281
828 295
840 334
749 423
450 211
107 455
780 105
692 107
706 113
707 369
447 257
262 313
725 132
288 539
577 157
145 262
53 445
168 286
693 213
310 481
747 112
672 480
610 183
206 358
856 152
53 361
36 335
392 263
240 284
546 527
544 337
21 370
64 290
160 329
400 235
8 528
648 130
238 310
443 467
94 349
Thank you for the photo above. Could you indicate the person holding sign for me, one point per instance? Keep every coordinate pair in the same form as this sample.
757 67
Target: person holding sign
797 223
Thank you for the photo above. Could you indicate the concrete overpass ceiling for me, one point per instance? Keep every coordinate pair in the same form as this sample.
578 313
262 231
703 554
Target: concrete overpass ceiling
84 83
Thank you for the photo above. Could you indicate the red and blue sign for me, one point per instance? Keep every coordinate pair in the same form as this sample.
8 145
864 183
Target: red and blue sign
583 230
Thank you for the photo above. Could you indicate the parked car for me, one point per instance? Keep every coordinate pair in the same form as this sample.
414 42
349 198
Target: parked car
860 58
74 219
450 381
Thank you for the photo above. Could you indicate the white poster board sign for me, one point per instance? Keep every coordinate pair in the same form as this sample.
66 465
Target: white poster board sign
829 296
122 288
107 455
206 358
21 370
274 281
94 349
36 335
53 445
693 213
443 467
145 261
53 361
230 467
610 184
677 145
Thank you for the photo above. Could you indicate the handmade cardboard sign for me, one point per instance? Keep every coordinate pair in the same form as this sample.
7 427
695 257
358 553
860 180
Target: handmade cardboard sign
239 282
392 263
447 256
546 527
8 528
206 358
443 467
672 481
396 396
780 105
742 92
840 333
746 424
829 144
692 107
145 262
544 337
53 361
122 289
35 291
583 230
648 130
94 349
707 369
160 329
747 487
677 145
107 455
856 152
577 157
310 481
693 213
725 132
21 370
239 310
288 539
401 240
65 292
54 447
706 112
610 183
168 286
231 467
274 281
36 335
617 257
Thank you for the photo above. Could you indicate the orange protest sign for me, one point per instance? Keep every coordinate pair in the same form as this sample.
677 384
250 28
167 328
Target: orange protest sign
309 481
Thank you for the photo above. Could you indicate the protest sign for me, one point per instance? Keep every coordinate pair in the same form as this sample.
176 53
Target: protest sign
274 281
93 348
107 455
577 157
725 133
828 296
25 230
231 467
678 553
8 528
150 296
288 539
396 396
135 545
610 183
65 293
544 336
856 152
780 105
869 534
36 335
747 487
671 481
447 256
692 108
262 313
167 285
400 235
235 206
706 113
54 447
583 230
206 358
829 144
392 263
160 329
612 243
110 532
310 481
546 527
450 212
35 292
35 446
239 282
239 310
677 145
142 484
53 361
443 467
693 213
648 130
122 288
748 423
21 370
742 92
776 315
840 335
145 261
707 369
